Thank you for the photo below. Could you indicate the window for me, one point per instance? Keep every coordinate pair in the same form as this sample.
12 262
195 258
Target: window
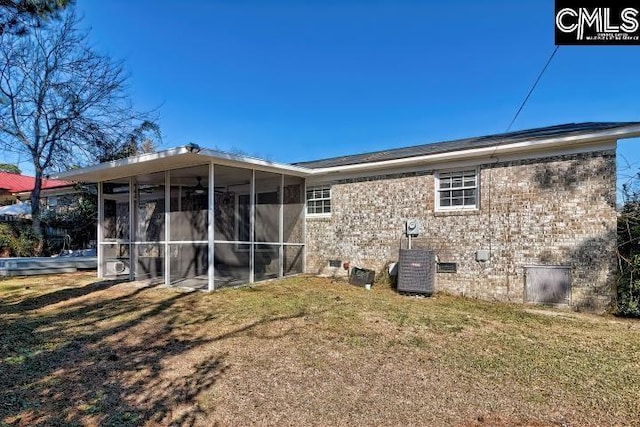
457 190
319 200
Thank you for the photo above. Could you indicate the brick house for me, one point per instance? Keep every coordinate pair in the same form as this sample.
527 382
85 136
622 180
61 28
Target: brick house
495 210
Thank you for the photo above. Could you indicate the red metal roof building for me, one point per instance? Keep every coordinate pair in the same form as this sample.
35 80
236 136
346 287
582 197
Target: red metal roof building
12 185
15 183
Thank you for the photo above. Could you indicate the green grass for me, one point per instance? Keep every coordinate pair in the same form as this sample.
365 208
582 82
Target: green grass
304 351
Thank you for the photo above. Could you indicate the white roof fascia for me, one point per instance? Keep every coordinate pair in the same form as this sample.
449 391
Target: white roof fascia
238 160
491 151
167 160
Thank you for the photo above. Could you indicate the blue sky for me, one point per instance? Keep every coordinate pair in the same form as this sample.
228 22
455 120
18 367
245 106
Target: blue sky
296 80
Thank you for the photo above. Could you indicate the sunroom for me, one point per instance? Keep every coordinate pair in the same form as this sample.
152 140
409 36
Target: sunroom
198 218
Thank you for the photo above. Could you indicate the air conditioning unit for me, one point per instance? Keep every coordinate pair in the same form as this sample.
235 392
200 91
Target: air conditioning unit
116 268
416 271
412 227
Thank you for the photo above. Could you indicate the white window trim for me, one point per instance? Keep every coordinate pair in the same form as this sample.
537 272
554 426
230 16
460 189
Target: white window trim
306 201
436 180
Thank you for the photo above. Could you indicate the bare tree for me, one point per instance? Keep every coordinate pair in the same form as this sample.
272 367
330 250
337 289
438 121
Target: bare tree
61 102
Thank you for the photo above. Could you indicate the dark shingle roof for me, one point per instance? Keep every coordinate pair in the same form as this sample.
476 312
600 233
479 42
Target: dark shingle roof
467 143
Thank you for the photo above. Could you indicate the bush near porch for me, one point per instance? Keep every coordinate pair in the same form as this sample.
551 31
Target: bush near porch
303 351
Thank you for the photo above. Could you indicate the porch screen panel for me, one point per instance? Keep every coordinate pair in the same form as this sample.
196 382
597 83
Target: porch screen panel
115 259
150 213
293 256
149 260
188 247
116 211
267 207
150 226
232 226
116 253
232 204
293 206
188 264
231 262
293 225
189 204
266 264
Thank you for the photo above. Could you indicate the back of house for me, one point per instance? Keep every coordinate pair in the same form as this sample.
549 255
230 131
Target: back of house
527 216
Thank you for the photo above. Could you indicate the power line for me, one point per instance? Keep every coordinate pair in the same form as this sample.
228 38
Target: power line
533 87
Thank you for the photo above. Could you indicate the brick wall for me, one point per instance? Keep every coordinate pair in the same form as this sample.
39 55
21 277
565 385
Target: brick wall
552 211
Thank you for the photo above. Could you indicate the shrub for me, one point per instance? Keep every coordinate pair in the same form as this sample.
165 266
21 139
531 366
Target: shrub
628 284
17 239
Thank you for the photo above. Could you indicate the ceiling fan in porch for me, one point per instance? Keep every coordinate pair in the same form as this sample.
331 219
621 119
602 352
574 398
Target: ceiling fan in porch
199 188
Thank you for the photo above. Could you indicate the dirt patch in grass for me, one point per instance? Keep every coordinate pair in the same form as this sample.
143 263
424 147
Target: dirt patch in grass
303 351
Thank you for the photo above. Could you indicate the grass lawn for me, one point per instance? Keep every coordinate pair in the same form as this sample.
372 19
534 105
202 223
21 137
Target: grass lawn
304 351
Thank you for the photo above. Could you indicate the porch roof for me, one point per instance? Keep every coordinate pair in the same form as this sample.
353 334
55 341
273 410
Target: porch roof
175 158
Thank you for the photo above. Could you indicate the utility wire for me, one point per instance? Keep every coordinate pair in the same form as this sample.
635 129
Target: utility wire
533 88
493 155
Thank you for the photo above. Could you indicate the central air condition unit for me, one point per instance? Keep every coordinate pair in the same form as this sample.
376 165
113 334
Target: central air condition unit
416 271
412 227
117 268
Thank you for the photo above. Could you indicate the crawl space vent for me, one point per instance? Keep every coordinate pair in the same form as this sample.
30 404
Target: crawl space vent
447 267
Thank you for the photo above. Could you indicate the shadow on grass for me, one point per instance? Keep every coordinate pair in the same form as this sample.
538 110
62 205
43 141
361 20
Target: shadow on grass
116 359
56 297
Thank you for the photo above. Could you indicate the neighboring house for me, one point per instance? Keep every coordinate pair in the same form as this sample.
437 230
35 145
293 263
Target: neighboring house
15 187
56 196
499 211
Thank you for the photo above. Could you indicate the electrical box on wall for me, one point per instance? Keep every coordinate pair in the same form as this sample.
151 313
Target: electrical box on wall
483 255
412 227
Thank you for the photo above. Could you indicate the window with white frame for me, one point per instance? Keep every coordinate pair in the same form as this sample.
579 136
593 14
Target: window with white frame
457 190
319 199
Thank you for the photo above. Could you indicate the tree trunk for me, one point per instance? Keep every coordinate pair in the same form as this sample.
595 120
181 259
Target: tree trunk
36 224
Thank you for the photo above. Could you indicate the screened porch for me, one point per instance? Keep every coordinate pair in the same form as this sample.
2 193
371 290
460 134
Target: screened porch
206 226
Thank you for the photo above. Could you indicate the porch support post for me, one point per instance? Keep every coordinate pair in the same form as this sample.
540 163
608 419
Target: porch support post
167 227
252 226
281 229
133 258
211 228
99 231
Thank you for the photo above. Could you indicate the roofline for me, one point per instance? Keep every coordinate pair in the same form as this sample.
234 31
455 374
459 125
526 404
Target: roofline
192 150
490 151
64 189
55 187
221 155
228 159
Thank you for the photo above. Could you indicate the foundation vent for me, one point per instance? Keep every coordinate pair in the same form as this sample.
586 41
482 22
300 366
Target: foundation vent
447 267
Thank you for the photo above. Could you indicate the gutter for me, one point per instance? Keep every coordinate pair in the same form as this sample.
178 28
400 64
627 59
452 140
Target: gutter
490 151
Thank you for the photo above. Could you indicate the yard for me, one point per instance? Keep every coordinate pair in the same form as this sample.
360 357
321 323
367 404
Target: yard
304 351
